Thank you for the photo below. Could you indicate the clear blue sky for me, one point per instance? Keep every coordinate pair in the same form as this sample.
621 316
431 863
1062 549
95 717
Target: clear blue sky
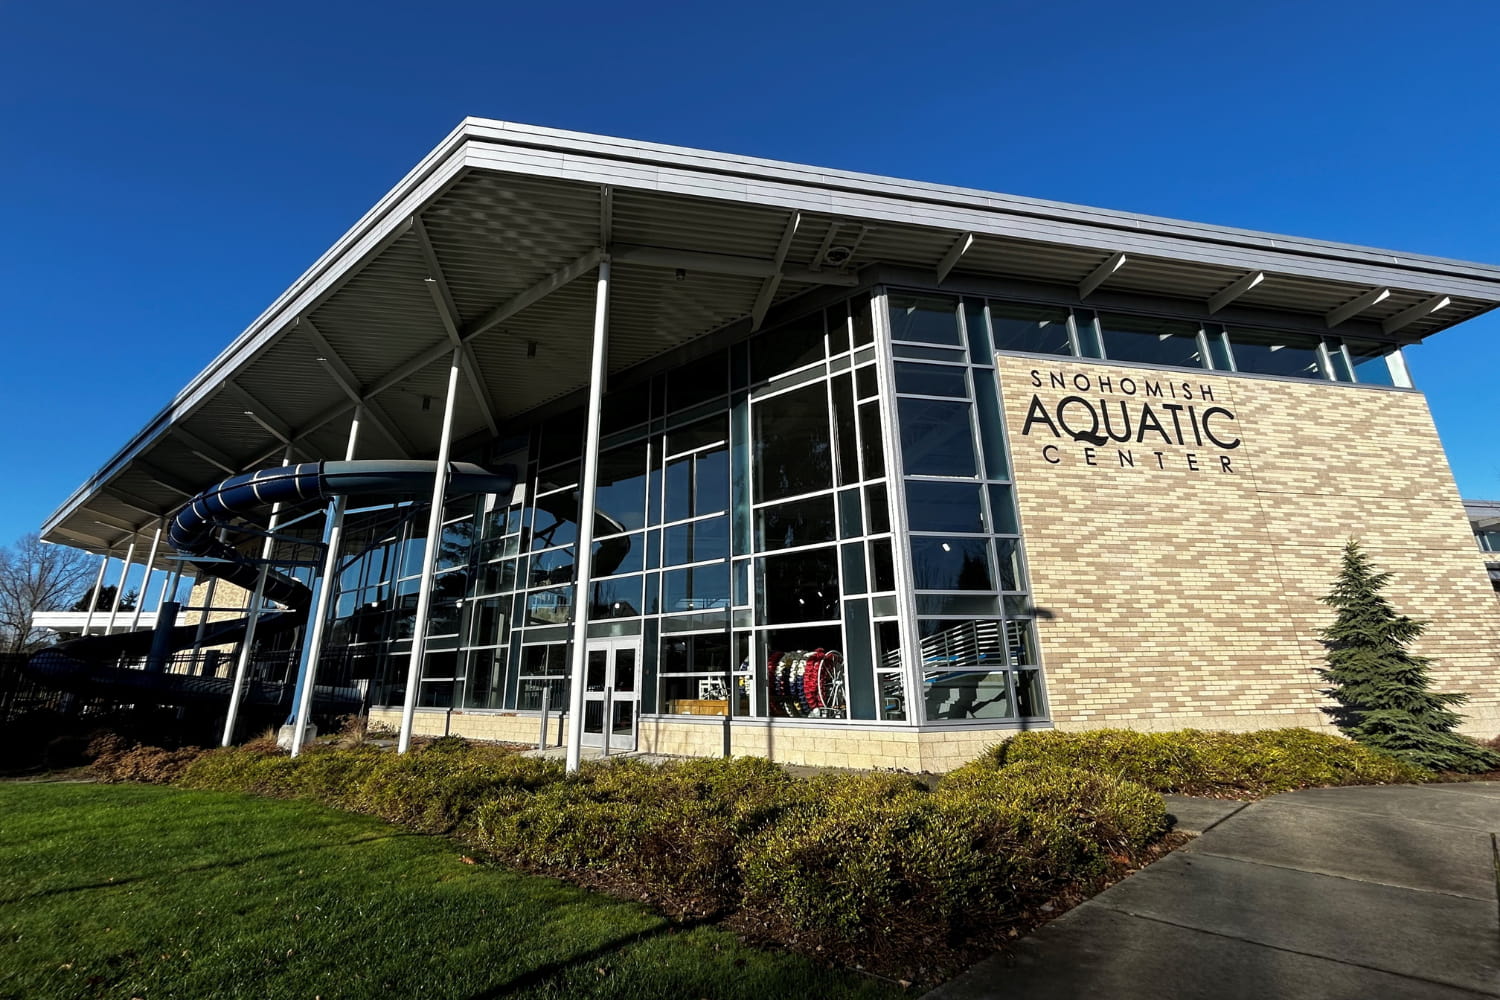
169 168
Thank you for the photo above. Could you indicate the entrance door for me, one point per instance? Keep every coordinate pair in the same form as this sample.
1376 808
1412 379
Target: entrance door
611 693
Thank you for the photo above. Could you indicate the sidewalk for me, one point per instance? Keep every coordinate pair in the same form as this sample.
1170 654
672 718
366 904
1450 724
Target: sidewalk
1385 892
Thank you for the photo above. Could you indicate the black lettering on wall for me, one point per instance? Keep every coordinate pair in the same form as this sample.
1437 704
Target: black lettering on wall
1150 423
1209 431
1037 413
1050 454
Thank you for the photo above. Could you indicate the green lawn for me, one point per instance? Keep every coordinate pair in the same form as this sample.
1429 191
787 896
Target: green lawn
141 891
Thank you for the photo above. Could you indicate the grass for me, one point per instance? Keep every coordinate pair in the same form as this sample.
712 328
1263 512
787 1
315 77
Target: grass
129 891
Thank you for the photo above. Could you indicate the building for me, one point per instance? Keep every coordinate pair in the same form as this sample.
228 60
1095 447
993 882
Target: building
884 469
1484 518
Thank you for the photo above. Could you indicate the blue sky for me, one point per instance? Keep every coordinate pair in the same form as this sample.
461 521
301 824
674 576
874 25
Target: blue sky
169 168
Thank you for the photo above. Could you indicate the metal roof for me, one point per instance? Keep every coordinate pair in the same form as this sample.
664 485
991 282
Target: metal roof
492 241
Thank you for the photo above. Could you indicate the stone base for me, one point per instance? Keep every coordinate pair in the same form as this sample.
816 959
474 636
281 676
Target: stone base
285 733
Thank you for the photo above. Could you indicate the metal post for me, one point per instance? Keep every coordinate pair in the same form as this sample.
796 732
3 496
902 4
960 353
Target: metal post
247 644
140 602
583 548
609 711
94 597
541 740
312 647
429 558
203 613
729 684
114 611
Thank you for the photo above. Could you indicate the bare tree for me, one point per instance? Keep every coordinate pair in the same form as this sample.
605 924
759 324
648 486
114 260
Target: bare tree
36 576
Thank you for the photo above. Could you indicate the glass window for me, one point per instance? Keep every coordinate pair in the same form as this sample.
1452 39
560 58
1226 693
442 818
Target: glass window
698 435
859 314
931 380
787 347
929 319
1270 352
1034 329
952 563
843 419
800 522
1370 364
932 506
696 541
621 554
1151 341
792 449
616 598
621 496
800 587
698 588
698 381
936 439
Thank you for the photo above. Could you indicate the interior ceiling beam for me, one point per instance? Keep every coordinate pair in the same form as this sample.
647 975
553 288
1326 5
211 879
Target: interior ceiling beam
563 276
1100 274
953 256
135 503
258 411
720 263
343 376
205 451
96 541
1235 290
163 478
1355 306
772 282
1421 310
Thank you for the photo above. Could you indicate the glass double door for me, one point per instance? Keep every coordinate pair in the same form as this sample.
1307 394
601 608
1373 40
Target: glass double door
611 693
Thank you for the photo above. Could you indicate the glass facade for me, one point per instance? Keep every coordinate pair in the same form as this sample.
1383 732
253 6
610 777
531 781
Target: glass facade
818 522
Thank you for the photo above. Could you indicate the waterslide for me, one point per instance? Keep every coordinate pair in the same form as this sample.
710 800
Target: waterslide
90 665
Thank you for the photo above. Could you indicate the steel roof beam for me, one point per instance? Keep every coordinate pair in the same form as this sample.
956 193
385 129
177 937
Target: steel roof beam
447 308
562 276
722 263
135 503
164 479
1100 274
343 376
204 450
258 411
1355 306
952 257
1421 310
772 282
1235 290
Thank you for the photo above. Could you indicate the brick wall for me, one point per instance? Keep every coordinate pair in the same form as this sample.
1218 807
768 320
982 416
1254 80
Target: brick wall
1182 590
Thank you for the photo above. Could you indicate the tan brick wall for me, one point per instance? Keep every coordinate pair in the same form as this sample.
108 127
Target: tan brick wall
822 746
1175 597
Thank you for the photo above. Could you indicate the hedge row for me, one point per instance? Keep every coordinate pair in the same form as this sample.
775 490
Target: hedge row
1199 762
841 859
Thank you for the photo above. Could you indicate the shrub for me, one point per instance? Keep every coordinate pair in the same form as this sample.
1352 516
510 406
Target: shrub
114 760
1199 762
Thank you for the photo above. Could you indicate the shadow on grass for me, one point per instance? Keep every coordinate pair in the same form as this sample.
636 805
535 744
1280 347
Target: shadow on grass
542 973
214 866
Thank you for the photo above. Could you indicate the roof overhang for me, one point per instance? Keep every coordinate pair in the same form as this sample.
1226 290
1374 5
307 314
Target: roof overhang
489 246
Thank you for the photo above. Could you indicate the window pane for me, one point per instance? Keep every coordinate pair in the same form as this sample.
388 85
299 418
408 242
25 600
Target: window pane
936 439
617 598
698 381
1370 365
872 443
787 347
800 586
1269 352
711 481
697 589
1151 341
792 448
931 380
704 432
801 522
1034 329
621 496
944 507
697 541
931 320
952 563
843 414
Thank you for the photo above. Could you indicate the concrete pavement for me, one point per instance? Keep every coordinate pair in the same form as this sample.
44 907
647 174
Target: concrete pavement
1387 892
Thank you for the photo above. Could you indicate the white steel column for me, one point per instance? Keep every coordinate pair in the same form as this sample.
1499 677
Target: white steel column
140 602
247 644
114 611
429 558
583 548
94 596
312 650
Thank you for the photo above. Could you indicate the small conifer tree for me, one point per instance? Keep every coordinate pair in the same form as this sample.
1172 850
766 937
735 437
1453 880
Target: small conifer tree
1381 688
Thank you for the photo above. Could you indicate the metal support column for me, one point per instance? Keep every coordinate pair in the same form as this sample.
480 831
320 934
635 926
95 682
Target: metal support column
94 597
317 625
140 602
247 645
429 558
114 611
583 549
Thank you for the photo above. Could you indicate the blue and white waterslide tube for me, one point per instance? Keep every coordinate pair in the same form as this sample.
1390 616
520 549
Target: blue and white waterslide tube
88 665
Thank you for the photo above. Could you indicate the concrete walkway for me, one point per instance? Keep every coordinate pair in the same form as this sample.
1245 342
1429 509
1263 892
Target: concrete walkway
1329 893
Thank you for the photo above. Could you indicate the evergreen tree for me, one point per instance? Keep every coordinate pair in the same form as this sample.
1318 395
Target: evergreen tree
1381 688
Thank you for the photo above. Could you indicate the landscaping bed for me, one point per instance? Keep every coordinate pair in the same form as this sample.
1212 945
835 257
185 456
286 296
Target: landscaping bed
877 870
